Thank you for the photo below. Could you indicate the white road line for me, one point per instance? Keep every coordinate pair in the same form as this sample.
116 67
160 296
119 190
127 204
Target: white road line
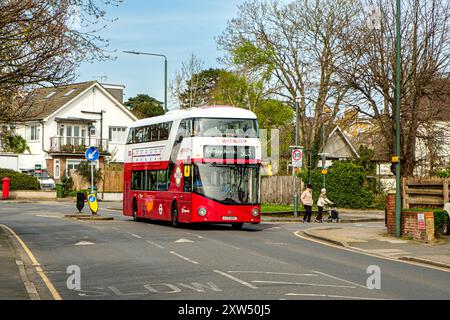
47 216
236 279
367 253
277 273
183 257
304 284
330 296
340 279
135 235
155 244
263 256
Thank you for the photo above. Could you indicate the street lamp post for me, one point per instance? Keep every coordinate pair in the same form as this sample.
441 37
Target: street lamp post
165 71
398 200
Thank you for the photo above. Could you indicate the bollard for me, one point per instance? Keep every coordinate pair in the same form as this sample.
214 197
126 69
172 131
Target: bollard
5 188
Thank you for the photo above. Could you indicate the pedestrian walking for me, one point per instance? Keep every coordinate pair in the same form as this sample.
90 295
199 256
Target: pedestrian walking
307 200
323 200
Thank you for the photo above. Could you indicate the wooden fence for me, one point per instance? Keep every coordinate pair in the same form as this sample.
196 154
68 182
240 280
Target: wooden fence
278 189
425 192
112 181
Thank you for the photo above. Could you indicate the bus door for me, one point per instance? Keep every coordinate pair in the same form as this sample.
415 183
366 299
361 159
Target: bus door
186 189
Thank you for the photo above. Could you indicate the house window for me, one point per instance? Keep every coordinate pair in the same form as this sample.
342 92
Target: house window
56 169
33 132
118 134
72 165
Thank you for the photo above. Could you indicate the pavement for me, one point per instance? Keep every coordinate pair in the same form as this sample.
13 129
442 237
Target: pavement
12 286
374 240
123 259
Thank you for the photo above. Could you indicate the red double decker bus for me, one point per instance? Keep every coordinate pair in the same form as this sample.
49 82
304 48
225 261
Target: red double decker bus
200 165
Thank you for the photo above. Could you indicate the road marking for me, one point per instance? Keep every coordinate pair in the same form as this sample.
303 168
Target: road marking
304 284
340 279
193 234
277 273
183 257
84 243
135 235
236 279
366 253
330 296
155 244
36 264
182 240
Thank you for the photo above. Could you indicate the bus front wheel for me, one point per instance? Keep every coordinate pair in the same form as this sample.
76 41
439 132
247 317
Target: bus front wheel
237 225
175 222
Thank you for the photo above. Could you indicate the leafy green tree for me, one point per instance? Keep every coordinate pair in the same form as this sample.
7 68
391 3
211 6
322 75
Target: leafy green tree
13 143
144 106
84 170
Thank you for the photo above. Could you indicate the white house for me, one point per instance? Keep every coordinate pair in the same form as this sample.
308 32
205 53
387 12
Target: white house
64 121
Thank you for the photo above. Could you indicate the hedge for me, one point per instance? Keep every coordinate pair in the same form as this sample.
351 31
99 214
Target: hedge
19 181
344 184
440 219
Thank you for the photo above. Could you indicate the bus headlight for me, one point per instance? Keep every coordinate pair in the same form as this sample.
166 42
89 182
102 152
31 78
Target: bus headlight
255 212
202 211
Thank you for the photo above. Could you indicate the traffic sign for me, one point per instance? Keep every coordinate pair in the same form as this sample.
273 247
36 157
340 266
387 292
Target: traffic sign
93 204
92 154
297 157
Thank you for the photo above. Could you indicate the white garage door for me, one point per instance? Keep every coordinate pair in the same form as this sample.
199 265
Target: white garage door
9 162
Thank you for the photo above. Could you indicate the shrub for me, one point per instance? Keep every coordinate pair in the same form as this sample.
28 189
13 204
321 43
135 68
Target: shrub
344 184
19 181
440 218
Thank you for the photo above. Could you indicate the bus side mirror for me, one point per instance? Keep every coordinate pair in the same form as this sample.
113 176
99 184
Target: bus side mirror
180 139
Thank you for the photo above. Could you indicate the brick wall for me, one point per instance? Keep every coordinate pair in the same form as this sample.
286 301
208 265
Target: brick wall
409 222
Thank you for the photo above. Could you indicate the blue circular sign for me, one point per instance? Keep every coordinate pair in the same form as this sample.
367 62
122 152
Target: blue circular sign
92 199
92 154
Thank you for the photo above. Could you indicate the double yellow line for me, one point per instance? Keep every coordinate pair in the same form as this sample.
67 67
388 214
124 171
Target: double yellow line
36 264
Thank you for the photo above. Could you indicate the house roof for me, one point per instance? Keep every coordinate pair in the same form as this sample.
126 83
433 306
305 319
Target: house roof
46 101
339 146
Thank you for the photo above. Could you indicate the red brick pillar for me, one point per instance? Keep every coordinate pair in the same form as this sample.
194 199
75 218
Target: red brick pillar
390 214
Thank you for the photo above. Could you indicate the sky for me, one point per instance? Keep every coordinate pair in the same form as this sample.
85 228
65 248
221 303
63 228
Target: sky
176 28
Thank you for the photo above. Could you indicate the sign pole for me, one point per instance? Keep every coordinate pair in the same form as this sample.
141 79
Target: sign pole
92 176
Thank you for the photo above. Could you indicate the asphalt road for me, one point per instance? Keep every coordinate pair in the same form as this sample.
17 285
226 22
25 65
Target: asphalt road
122 259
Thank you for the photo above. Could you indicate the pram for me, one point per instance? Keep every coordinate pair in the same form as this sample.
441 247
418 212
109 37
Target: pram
333 214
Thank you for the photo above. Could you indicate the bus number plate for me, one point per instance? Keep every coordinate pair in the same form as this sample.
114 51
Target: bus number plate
229 218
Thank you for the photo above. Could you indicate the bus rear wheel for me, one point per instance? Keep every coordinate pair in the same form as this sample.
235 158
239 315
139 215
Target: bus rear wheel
237 225
175 222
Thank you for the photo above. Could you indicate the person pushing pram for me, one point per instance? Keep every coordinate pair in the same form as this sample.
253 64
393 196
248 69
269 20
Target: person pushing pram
321 203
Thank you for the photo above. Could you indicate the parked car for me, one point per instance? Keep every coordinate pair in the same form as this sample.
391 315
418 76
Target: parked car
45 181
447 224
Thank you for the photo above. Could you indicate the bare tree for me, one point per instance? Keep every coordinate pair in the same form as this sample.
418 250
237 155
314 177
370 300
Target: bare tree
185 87
300 45
371 71
42 43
